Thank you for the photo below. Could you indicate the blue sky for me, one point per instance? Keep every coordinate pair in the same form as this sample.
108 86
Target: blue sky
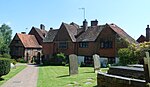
131 15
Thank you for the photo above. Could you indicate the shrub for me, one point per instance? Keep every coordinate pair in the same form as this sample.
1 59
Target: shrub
5 55
21 60
61 58
134 53
4 66
127 56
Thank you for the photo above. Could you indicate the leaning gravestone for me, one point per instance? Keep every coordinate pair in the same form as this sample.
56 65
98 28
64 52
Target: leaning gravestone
147 67
96 59
73 64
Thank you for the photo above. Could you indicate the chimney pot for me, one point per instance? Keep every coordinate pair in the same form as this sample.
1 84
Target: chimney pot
94 23
51 28
23 32
147 26
42 27
85 25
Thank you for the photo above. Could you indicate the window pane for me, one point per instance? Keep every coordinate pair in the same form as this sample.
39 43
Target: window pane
63 45
83 45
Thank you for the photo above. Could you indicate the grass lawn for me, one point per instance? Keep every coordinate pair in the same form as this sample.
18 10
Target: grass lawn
58 76
12 73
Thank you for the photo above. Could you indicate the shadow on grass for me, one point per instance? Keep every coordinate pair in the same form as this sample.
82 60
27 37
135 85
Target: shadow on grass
89 72
95 86
63 76
1 79
41 65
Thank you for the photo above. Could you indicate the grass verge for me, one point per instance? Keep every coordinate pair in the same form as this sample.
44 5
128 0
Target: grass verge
12 73
58 76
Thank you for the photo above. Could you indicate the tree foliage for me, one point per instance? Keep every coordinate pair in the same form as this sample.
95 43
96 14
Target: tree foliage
62 57
4 66
134 53
5 38
127 56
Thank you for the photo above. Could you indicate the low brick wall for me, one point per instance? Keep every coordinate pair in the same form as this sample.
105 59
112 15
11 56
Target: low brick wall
130 72
107 80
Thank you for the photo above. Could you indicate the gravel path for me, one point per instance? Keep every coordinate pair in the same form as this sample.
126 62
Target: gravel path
26 78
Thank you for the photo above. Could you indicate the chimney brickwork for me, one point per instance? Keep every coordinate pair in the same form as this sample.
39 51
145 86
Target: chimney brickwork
148 33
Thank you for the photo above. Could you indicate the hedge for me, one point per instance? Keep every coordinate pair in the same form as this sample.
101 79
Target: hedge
4 66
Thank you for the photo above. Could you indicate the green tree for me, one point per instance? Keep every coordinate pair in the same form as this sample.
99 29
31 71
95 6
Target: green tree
5 38
127 56
134 53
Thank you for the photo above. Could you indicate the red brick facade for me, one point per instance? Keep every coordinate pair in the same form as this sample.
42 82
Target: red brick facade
102 40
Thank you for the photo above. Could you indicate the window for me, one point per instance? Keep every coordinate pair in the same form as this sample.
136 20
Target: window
17 48
106 44
88 60
83 45
63 45
16 41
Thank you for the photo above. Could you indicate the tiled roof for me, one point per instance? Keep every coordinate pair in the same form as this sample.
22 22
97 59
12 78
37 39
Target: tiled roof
50 35
78 34
41 32
122 33
90 34
29 41
142 38
72 30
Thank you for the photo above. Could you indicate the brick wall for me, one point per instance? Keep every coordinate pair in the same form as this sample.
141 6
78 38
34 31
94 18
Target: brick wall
106 80
48 48
89 51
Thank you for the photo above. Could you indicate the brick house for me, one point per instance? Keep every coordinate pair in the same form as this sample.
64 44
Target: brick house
28 45
86 41
142 38
39 33
25 46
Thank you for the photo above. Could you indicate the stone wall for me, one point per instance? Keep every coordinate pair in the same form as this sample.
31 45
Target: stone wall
107 80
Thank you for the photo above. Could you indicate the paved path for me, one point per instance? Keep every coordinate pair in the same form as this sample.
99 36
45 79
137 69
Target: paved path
26 78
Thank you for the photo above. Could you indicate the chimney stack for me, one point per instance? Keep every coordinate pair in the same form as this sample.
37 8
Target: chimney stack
148 33
51 28
85 25
42 27
23 32
94 22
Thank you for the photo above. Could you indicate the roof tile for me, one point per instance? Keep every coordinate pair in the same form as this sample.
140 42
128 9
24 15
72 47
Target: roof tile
29 41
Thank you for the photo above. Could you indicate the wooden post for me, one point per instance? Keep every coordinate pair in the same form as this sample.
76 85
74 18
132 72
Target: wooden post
147 67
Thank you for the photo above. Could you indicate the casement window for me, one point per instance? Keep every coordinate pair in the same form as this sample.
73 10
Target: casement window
63 45
106 44
83 44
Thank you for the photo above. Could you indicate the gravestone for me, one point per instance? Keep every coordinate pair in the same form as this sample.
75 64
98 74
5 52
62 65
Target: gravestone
73 64
96 59
147 67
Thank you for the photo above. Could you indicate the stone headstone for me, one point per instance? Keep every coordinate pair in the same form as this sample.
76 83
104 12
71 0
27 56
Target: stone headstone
73 64
147 67
96 59
12 65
